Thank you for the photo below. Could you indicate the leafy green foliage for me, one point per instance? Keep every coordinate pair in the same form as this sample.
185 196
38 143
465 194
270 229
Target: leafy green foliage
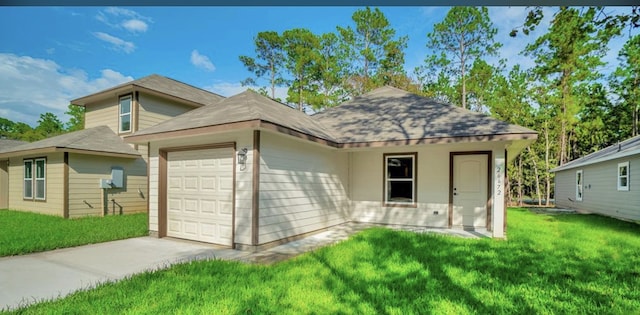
26 232
552 264
269 60
625 82
76 122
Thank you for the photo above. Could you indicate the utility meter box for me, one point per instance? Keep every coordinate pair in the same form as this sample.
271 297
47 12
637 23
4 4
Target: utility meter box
116 180
117 177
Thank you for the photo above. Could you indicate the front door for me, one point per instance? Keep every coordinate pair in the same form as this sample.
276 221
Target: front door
470 189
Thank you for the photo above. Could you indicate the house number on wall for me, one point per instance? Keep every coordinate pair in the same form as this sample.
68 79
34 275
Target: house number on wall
498 180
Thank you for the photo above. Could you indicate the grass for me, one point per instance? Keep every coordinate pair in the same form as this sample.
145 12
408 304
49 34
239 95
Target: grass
25 232
565 264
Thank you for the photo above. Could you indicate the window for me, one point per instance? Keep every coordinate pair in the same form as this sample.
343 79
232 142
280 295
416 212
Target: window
35 179
623 176
28 179
125 114
400 179
579 185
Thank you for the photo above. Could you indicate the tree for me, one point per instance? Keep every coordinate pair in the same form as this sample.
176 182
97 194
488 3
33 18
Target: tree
6 127
567 57
269 60
367 48
301 50
625 82
328 73
465 34
49 125
76 121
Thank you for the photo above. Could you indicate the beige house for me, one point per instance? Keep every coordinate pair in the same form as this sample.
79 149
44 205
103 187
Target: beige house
604 182
6 144
93 171
249 172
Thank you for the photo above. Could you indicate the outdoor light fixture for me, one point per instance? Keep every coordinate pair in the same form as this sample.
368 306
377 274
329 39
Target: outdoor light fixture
242 156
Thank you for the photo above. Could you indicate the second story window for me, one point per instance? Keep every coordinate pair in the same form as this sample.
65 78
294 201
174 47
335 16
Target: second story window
124 122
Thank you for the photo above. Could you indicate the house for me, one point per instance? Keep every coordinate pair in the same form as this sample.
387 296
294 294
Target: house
249 172
605 182
93 171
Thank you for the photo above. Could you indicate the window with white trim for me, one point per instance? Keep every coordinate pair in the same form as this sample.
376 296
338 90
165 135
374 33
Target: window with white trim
400 179
124 121
579 185
623 176
28 179
35 179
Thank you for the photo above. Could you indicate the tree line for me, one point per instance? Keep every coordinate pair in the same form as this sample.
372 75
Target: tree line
49 125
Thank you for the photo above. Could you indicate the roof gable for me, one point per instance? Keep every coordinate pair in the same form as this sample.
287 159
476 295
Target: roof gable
391 114
622 149
158 84
95 140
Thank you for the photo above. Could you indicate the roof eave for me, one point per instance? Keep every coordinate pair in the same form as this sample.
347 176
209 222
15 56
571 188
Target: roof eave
594 161
442 140
130 88
54 149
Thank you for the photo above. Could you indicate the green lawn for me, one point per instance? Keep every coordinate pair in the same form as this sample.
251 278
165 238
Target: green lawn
24 232
563 264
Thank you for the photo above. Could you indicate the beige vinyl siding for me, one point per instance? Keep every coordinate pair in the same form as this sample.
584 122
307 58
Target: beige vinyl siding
302 187
244 178
85 194
4 184
53 204
432 207
600 193
102 113
153 110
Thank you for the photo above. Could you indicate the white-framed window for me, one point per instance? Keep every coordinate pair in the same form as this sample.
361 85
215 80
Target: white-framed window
579 185
400 179
124 121
35 179
28 179
623 176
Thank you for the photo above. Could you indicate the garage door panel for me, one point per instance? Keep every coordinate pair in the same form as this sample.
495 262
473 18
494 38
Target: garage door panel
200 195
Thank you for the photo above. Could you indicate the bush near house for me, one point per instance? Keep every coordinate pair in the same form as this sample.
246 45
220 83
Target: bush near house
550 264
25 232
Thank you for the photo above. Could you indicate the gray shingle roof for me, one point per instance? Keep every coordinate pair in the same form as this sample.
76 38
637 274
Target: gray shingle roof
6 144
163 85
95 140
246 106
389 114
625 148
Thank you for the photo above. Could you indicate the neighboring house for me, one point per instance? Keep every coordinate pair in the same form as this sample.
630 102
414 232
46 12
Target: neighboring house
6 144
605 182
93 171
249 172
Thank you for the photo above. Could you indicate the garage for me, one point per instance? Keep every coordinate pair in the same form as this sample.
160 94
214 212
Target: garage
200 195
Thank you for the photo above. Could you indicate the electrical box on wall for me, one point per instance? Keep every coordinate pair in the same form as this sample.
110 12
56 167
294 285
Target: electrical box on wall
116 180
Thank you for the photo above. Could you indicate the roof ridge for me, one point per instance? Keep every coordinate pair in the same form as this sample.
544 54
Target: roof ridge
184 83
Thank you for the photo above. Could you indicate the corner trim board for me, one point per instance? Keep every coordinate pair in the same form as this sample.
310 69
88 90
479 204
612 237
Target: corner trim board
65 188
255 198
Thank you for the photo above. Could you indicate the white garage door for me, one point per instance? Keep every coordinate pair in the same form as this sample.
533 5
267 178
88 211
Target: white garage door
200 195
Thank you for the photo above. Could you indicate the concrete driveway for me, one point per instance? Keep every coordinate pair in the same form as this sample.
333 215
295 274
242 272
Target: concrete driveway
31 278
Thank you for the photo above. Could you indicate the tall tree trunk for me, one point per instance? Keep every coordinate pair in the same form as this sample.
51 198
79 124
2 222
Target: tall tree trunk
547 165
536 174
519 181
272 66
463 74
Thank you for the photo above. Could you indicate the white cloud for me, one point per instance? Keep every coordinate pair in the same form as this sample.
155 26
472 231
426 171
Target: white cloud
118 43
135 26
32 86
130 20
201 61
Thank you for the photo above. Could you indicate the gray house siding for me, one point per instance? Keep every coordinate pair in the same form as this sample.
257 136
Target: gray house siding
600 193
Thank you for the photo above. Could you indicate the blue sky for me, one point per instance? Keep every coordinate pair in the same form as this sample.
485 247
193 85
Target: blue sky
61 53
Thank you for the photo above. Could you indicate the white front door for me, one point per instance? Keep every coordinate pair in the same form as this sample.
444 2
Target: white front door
470 190
200 195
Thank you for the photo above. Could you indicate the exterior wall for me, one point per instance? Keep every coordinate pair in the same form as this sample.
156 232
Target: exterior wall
302 187
600 192
54 202
4 184
153 110
432 210
102 113
244 178
87 198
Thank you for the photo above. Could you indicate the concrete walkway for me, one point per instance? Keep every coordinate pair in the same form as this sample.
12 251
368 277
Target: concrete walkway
35 277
